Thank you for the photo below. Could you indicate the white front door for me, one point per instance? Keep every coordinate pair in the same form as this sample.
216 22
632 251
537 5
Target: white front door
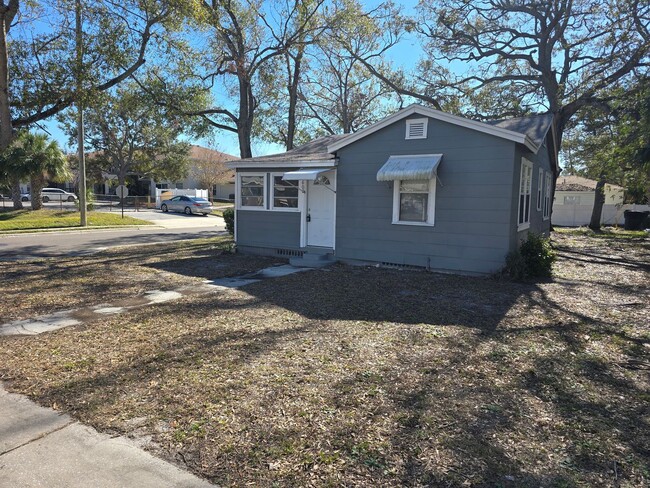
321 202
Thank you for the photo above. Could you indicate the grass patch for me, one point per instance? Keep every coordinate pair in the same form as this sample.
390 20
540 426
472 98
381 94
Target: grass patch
47 219
353 376
604 233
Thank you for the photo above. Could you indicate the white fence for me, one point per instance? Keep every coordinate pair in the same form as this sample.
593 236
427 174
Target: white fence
167 194
577 215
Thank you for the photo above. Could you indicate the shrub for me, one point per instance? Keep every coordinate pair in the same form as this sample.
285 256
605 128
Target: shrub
534 259
90 199
229 217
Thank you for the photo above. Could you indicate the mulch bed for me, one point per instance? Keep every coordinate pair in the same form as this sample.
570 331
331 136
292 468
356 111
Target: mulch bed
374 377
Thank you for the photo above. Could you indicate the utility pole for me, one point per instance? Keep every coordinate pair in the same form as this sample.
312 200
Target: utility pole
80 118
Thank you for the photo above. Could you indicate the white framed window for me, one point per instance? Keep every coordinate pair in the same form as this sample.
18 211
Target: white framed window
416 128
540 187
414 202
547 196
285 194
252 191
525 187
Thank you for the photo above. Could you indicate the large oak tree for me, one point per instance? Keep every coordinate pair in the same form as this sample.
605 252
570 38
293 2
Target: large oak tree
39 70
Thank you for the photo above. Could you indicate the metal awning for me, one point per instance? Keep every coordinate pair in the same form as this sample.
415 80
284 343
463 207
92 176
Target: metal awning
413 167
304 174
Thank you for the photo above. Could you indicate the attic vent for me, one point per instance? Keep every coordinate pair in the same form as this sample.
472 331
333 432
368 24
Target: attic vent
416 128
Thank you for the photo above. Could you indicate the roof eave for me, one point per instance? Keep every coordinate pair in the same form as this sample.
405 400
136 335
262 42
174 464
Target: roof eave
328 163
438 115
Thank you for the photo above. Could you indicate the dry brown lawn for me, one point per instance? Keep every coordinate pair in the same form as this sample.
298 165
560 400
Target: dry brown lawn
367 377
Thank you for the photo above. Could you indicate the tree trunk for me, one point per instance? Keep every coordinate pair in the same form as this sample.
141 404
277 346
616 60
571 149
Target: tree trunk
558 126
15 193
599 201
37 183
294 79
245 121
6 132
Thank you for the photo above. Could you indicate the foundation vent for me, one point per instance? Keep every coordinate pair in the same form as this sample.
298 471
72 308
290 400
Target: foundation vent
289 252
410 267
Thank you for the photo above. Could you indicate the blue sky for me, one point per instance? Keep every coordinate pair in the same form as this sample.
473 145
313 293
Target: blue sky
404 55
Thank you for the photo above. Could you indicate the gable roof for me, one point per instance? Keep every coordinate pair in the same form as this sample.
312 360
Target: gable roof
532 136
535 126
530 131
313 152
206 154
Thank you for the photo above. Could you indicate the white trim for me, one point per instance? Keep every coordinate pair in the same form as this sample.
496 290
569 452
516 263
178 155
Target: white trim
431 205
409 122
272 206
332 184
528 166
547 197
328 163
335 188
540 189
265 192
438 115
302 207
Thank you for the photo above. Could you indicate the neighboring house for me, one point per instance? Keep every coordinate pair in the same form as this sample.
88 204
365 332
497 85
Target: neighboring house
419 188
576 190
574 202
200 156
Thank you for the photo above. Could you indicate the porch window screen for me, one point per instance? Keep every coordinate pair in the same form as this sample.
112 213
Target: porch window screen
525 186
252 191
285 193
413 200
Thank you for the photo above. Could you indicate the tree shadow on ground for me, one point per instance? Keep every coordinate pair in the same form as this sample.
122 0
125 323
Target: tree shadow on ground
383 295
365 376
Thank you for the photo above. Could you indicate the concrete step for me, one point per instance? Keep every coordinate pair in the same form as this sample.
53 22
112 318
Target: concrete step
312 260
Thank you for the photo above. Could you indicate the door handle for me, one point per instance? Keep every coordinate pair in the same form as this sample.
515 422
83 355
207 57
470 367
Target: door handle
308 218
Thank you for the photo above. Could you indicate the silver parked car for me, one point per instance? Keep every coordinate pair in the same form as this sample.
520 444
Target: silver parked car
57 195
188 205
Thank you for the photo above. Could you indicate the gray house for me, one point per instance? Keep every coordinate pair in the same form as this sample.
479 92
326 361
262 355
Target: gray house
420 188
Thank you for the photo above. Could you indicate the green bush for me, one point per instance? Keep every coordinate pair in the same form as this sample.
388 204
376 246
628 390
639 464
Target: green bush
90 199
229 217
533 259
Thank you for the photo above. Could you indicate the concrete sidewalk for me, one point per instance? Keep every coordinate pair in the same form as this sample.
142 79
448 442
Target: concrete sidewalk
41 448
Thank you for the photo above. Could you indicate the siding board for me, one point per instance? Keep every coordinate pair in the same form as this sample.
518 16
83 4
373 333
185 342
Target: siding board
473 203
268 229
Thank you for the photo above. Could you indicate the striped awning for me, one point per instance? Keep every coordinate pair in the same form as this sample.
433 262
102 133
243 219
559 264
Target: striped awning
413 167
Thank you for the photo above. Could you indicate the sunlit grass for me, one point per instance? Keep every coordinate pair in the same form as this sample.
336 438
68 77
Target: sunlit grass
48 219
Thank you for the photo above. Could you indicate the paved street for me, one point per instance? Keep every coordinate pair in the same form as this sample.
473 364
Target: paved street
49 244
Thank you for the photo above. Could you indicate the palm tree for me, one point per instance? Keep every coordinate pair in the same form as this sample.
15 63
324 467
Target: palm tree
42 159
12 160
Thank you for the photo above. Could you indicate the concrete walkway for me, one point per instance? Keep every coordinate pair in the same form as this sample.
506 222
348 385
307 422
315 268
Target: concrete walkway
41 448
67 318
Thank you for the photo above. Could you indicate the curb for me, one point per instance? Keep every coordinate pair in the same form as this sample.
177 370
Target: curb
15 233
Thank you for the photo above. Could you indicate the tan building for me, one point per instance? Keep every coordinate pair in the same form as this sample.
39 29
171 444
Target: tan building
577 190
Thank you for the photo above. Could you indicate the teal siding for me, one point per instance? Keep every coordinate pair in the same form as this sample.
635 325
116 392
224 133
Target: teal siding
472 231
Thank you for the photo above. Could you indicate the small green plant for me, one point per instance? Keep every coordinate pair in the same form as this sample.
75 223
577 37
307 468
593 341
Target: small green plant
229 217
90 199
534 259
